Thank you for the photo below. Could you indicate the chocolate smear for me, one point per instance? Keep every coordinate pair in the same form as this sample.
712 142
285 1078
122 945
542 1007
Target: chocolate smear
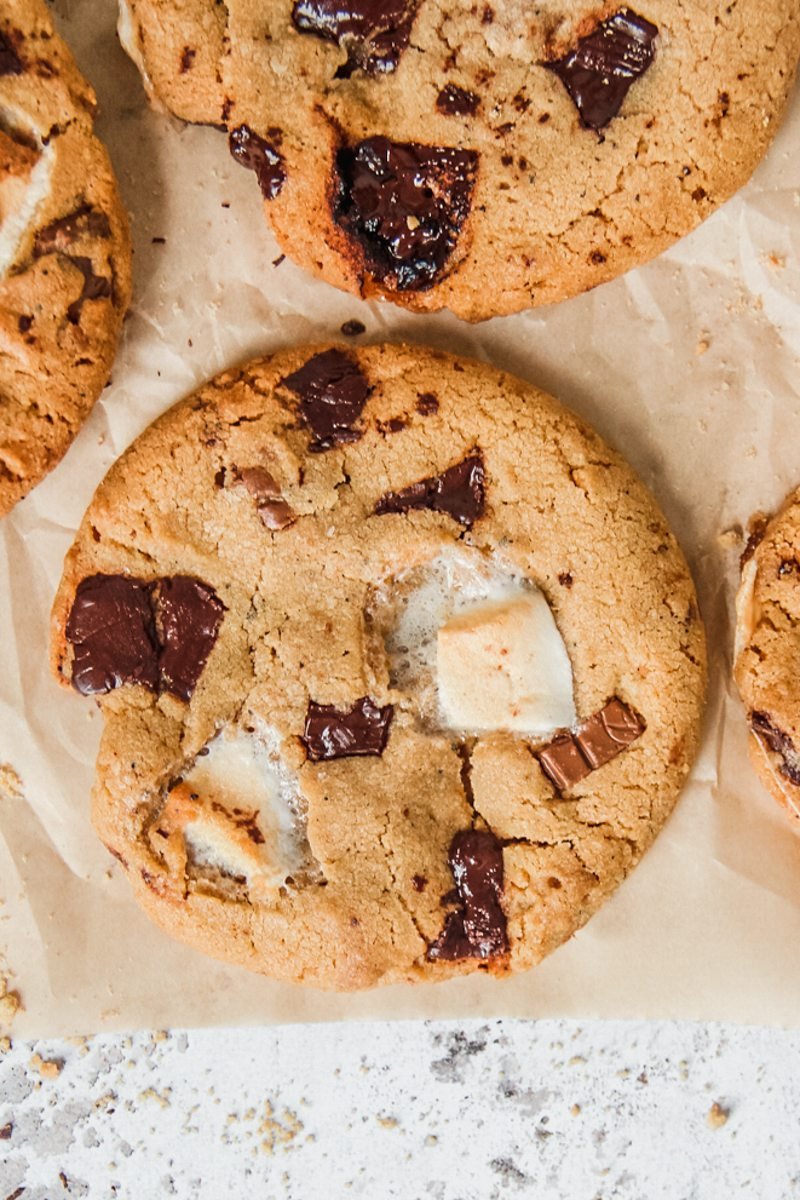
332 732
95 287
374 33
459 492
598 72
333 391
779 742
477 929
60 235
405 205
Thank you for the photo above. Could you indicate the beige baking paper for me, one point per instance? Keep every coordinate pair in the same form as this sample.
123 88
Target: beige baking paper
689 366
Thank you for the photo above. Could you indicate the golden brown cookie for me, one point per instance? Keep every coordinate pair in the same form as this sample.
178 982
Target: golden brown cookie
484 157
400 666
767 651
64 250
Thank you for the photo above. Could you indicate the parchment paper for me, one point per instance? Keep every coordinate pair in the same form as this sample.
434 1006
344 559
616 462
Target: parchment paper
689 366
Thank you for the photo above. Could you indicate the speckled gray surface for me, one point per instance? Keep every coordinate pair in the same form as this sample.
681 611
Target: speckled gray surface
572 1111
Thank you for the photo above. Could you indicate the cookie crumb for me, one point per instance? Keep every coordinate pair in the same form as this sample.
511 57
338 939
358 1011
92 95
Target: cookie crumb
575 1110
388 1122
48 1068
717 1116
703 343
10 1003
10 783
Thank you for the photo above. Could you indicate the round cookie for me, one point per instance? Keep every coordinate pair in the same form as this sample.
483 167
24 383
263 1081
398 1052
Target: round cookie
412 150
401 669
64 250
767 651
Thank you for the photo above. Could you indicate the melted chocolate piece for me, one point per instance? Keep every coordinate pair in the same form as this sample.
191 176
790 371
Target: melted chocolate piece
10 62
780 743
95 287
477 929
455 101
600 70
563 763
607 733
60 235
459 492
405 205
332 391
258 155
343 733
373 32
113 636
569 757
427 404
189 616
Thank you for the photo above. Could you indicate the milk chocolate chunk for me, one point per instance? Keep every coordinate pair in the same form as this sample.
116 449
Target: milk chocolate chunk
477 929
189 615
260 156
608 732
598 72
404 204
562 762
459 492
374 33
112 633
779 742
10 62
275 513
332 391
345 732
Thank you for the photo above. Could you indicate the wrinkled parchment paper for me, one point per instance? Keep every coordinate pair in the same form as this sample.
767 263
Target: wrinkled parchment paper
689 366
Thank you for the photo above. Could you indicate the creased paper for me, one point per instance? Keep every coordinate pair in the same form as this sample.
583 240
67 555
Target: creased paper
689 366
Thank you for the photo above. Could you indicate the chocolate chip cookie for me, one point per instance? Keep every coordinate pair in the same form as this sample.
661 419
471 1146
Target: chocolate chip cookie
767 650
64 250
401 669
484 157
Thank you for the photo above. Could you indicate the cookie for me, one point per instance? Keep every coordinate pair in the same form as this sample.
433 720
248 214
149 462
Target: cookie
767 651
401 669
64 250
413 150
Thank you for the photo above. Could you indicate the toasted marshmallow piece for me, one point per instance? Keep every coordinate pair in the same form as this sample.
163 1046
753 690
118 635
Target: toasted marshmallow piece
503 665
237 811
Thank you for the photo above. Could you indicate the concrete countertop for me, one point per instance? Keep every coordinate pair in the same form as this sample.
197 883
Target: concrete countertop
547 1109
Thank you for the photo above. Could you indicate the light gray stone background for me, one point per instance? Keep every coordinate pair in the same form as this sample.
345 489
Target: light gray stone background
546 1109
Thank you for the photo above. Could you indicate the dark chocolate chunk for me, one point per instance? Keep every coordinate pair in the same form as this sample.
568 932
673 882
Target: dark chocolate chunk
59 235
562 762
189 614
10 62
332 391
258 155
598 72
112 633
455 101
405 205
477 929
95 287
779 742
342 733
608 732
459 492
374 33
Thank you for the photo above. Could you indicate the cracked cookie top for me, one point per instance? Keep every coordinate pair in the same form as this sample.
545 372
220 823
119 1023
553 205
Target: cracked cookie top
767 650
413 149
64 250
401 669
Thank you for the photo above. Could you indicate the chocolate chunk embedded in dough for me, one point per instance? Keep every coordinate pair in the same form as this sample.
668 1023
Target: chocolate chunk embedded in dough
112 633
598 72
332 732
477 929
404 204
332 391
459 492
260 156
373 32
189 614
